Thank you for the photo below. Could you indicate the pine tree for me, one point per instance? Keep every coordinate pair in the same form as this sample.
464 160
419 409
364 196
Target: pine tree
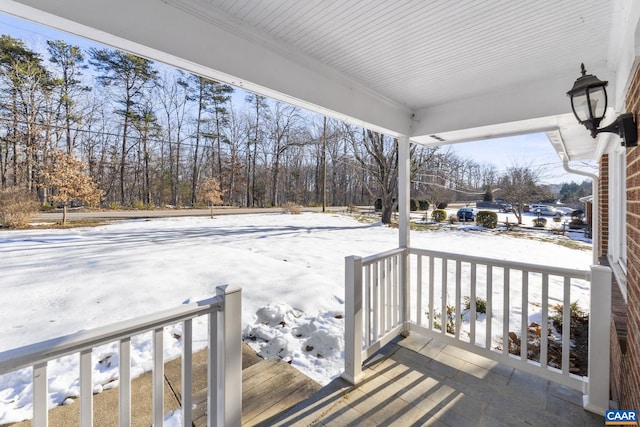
133 76
69 61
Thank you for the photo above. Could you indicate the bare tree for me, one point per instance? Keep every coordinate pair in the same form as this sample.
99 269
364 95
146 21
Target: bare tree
378 154
521 185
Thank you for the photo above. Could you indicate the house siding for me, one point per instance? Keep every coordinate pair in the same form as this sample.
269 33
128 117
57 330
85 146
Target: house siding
630 364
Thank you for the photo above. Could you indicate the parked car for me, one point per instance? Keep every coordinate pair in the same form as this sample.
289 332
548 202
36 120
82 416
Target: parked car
545 210
467 214
506 207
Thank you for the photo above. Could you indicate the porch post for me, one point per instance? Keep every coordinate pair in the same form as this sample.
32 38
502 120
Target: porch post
404 197
597 397
353 320
225 361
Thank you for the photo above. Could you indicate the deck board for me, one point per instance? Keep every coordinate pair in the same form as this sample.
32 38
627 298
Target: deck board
269 388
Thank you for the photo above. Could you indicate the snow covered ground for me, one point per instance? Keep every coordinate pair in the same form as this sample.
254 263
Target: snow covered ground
290 268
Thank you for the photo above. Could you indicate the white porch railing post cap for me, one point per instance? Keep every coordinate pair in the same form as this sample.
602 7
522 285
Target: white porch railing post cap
222 290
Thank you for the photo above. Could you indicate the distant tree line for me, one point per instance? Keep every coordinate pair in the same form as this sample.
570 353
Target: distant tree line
149 135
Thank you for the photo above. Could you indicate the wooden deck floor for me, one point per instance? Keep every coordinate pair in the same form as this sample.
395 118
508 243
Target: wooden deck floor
418 382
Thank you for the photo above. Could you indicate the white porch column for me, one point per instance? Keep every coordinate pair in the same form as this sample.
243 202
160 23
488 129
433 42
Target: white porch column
353 320
597 397
404 197
404 187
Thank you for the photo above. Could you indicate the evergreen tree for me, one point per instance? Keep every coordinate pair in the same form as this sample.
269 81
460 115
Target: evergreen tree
70 61
131 76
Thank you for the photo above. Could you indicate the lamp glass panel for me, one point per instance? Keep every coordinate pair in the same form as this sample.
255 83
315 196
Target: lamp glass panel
581 106
598 98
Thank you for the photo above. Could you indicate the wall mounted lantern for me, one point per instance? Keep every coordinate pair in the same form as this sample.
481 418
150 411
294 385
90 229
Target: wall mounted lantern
589 104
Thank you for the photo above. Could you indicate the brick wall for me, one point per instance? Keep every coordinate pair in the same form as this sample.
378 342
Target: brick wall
630 393
603 206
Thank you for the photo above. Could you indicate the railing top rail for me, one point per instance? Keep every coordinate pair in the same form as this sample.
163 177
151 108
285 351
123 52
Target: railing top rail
54 348
382 255
533 268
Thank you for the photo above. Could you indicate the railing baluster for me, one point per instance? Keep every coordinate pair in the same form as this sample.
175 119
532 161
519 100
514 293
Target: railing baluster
387 285
544 328
489 319
419 306
86 389
158 377
431 291
376 302
566 325
506 282
472 304
457 305
40 395
368 310
443 316
187 365
524 334
395 290
125 383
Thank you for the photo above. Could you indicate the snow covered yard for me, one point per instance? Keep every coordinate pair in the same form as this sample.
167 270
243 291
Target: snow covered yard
290 269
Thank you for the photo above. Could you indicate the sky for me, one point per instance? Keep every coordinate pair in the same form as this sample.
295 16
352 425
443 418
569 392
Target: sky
533 150
527 150
59 282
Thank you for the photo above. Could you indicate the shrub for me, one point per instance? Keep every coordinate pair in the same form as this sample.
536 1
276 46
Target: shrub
377 205
137 205
576 224
423 205
413 205
291 208
439 215
442 205
481 305
540 222
487 219
576 314
17 206
450 320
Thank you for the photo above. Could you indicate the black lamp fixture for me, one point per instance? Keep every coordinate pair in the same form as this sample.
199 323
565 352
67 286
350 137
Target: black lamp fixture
589 104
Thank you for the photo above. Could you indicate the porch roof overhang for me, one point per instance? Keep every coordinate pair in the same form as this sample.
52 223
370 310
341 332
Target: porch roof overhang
438 72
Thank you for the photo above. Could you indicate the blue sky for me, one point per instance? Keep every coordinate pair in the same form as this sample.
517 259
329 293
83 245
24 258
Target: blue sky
526 150
532 150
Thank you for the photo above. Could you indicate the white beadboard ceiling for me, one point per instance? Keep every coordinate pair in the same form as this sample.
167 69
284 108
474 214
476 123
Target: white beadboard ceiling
427 52
431 69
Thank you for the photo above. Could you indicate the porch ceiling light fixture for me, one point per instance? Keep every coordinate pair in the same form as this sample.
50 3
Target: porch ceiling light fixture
589 104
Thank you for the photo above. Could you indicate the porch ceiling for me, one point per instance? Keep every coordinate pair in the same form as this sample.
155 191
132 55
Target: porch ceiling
434 70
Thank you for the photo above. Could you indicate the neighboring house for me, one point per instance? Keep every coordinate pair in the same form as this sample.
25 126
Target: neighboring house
429 72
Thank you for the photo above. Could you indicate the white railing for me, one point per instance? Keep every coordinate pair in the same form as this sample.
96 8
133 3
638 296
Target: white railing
440 287
224 391
375 306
